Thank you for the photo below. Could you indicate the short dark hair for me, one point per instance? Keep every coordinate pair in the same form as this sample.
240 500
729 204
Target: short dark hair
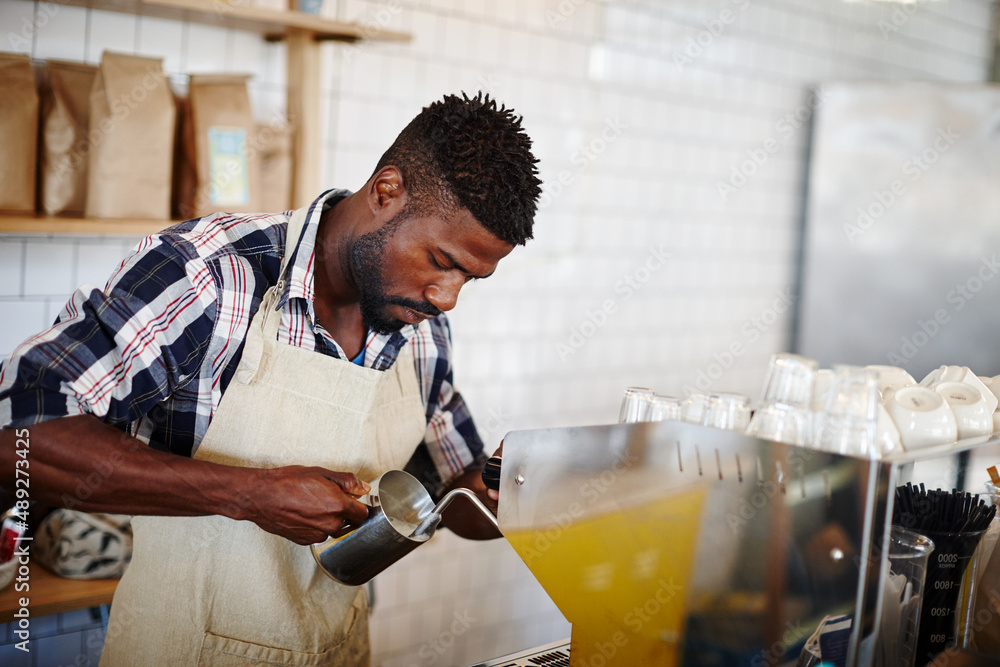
467 152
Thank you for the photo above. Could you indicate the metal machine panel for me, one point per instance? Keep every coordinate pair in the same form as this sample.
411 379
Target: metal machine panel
670 543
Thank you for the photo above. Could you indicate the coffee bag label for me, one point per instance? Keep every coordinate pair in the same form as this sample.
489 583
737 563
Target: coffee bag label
229 183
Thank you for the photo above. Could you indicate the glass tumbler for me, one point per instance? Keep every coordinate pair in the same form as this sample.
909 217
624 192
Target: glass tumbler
693 409
790 380
850 415
730 412
785 414
635 405
664 408
903 592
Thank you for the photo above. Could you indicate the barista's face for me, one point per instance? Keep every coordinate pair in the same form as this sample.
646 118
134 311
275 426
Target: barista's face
414 266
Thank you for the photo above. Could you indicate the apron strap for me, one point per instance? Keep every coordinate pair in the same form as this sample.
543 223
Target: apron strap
264 325
295 225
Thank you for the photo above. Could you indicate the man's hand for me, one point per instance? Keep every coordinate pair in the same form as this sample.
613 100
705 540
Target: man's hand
82 463
493 496
305 504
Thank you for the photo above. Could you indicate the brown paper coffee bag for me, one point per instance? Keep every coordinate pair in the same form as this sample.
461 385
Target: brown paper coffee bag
64 148
18 134
218 129
272 149
132 118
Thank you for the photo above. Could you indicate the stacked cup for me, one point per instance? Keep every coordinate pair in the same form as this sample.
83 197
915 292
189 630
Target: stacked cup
729 412
969 398
642 405
950 404
850 414
785 414
993 384
724 411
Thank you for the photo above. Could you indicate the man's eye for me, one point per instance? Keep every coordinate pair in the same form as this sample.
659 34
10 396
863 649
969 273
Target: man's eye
436 263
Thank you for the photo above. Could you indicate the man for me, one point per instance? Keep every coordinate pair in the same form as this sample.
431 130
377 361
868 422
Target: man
273 364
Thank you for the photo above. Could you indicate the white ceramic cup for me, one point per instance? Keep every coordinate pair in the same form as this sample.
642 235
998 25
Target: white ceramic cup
887 434
960 374
892 377
922 417
972 413
993 384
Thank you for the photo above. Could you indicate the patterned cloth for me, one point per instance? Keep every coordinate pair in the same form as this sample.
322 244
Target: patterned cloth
153 353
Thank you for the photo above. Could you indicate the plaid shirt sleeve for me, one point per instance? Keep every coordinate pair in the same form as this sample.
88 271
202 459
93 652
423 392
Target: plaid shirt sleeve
115 353
451 444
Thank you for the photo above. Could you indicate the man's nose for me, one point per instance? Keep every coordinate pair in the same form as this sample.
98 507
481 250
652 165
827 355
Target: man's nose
443 295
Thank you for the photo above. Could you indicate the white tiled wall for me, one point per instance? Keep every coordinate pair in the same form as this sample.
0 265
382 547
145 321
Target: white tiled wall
671 98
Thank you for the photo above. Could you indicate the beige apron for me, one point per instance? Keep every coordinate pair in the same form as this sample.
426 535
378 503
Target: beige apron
222 593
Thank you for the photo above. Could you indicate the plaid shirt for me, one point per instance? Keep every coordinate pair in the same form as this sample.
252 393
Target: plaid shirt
154 352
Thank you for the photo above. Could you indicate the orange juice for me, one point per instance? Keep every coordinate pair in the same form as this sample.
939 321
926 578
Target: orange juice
620 578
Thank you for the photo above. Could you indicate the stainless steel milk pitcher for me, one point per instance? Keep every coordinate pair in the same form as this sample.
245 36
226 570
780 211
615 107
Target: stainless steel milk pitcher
401 516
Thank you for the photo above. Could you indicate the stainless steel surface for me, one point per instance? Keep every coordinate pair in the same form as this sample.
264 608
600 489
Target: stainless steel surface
671 543
401 517
899 263
555 654
398 504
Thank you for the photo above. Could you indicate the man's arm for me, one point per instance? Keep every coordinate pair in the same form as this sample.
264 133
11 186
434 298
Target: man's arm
83 463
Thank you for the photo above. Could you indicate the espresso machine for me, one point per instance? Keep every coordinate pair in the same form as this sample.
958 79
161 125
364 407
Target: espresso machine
669 543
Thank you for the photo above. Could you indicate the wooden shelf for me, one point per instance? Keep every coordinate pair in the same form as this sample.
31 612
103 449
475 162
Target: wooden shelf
239 14
51 594
28 224
303 32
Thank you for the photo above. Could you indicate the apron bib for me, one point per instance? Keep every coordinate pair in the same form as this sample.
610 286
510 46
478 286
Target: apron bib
214 592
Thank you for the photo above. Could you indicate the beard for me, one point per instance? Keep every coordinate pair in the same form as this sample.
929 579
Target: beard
368 265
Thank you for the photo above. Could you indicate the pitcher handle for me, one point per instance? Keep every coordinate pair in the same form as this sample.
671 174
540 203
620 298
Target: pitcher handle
347 526
472 497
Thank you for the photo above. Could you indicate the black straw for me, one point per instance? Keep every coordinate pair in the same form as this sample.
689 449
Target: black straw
941 511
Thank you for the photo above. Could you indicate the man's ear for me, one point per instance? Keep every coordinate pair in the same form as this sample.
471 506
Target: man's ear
388 192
